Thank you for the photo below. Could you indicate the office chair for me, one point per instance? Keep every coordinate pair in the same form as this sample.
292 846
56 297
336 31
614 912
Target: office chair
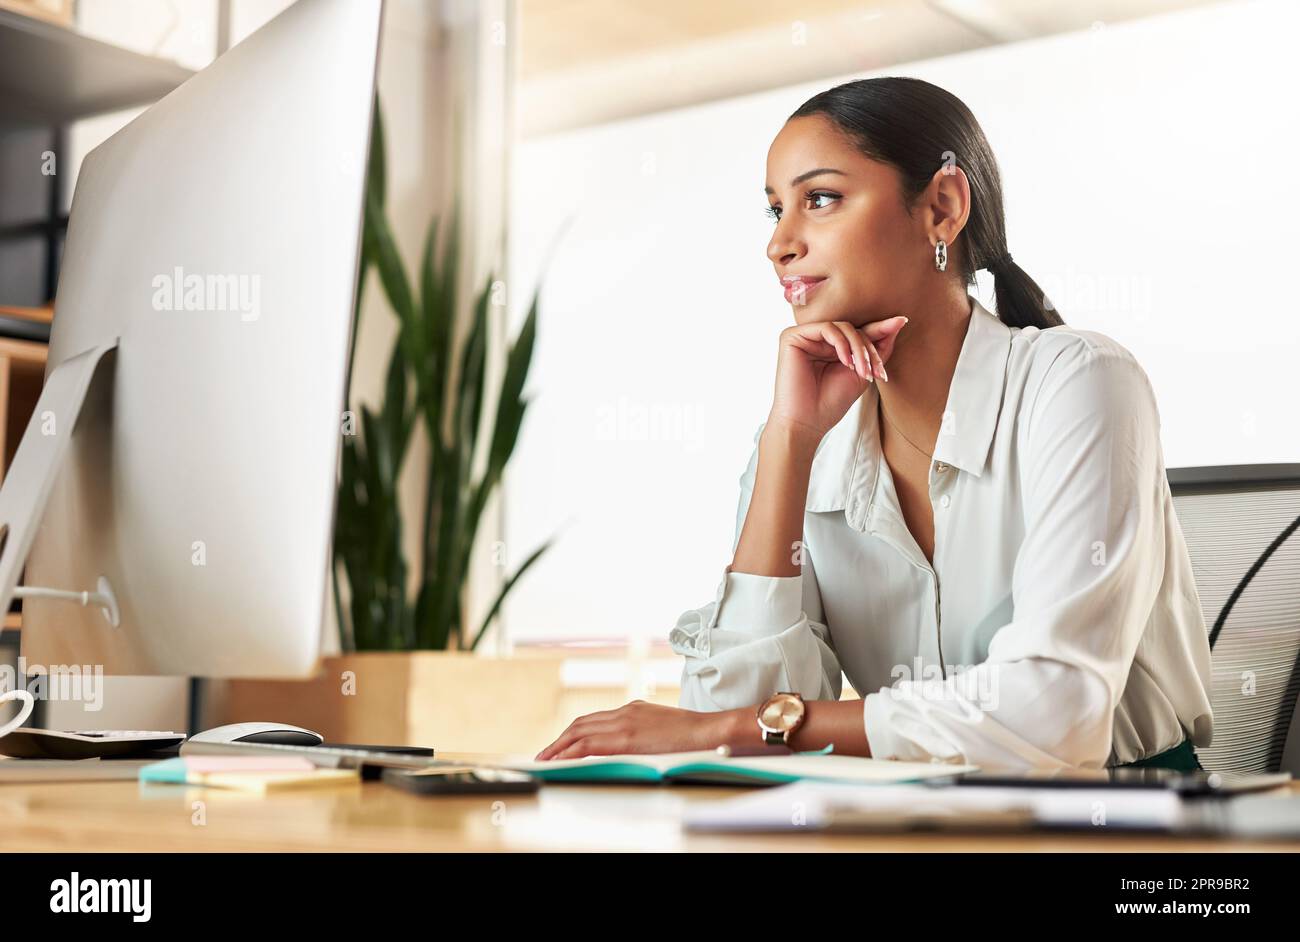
1240 523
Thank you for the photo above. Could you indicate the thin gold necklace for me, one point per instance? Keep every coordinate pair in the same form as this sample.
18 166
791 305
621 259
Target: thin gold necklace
880 407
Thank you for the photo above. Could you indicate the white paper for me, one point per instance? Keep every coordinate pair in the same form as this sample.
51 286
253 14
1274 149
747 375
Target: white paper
812 805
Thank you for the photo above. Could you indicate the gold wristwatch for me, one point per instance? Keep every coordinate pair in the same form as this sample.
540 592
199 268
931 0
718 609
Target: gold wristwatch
779 716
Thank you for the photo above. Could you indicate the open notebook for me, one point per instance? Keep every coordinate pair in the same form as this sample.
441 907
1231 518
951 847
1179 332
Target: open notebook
711 767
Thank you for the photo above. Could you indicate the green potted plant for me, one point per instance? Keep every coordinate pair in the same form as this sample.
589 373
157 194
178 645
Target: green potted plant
368 548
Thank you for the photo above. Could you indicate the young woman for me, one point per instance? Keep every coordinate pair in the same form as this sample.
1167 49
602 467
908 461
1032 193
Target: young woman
981 538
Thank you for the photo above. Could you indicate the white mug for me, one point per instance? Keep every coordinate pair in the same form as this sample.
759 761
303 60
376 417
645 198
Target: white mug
29 704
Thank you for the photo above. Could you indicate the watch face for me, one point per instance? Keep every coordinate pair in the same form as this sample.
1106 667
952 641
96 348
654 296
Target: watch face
781 713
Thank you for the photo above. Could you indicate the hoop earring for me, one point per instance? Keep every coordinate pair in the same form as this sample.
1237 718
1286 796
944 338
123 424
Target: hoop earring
941 255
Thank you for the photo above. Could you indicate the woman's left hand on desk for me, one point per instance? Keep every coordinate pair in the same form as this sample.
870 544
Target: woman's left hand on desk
640 727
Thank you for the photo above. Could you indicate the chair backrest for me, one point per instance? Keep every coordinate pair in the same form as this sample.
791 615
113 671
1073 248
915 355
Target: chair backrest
1231 517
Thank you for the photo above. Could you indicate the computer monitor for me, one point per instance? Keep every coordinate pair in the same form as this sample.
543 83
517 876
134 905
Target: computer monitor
205 305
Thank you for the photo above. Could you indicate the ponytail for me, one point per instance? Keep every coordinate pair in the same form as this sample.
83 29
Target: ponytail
1020 302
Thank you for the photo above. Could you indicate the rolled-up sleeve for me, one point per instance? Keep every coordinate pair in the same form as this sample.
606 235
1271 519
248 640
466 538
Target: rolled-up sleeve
759 635
1084 583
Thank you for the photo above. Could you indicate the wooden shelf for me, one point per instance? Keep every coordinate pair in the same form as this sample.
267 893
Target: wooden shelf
50 74
25 352
22 373
43 315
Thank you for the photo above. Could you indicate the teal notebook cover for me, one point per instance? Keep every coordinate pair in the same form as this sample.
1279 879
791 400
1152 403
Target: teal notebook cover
597 771
706 766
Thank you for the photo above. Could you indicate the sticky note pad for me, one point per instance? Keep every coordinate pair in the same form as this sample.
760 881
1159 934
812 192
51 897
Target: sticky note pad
185 768
263 782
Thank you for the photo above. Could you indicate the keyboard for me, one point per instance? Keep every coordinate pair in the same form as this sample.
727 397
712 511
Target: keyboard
30 743
328 757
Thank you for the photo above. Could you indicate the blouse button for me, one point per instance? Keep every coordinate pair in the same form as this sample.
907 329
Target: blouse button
945 500
941 468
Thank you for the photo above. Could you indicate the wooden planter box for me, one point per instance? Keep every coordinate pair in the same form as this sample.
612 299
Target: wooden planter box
453 701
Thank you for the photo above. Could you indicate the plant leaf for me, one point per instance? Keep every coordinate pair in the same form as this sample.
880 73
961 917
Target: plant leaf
396 417
510 406
505 589
377 175
392 276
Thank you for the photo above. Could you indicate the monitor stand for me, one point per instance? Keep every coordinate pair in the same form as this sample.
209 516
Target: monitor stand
30 479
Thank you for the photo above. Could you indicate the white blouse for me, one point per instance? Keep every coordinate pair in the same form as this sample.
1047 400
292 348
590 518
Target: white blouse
1059 625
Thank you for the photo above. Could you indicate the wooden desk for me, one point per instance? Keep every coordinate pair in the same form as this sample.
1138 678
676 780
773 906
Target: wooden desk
370 816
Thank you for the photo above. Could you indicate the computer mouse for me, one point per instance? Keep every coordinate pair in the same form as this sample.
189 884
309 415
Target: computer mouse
277 734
